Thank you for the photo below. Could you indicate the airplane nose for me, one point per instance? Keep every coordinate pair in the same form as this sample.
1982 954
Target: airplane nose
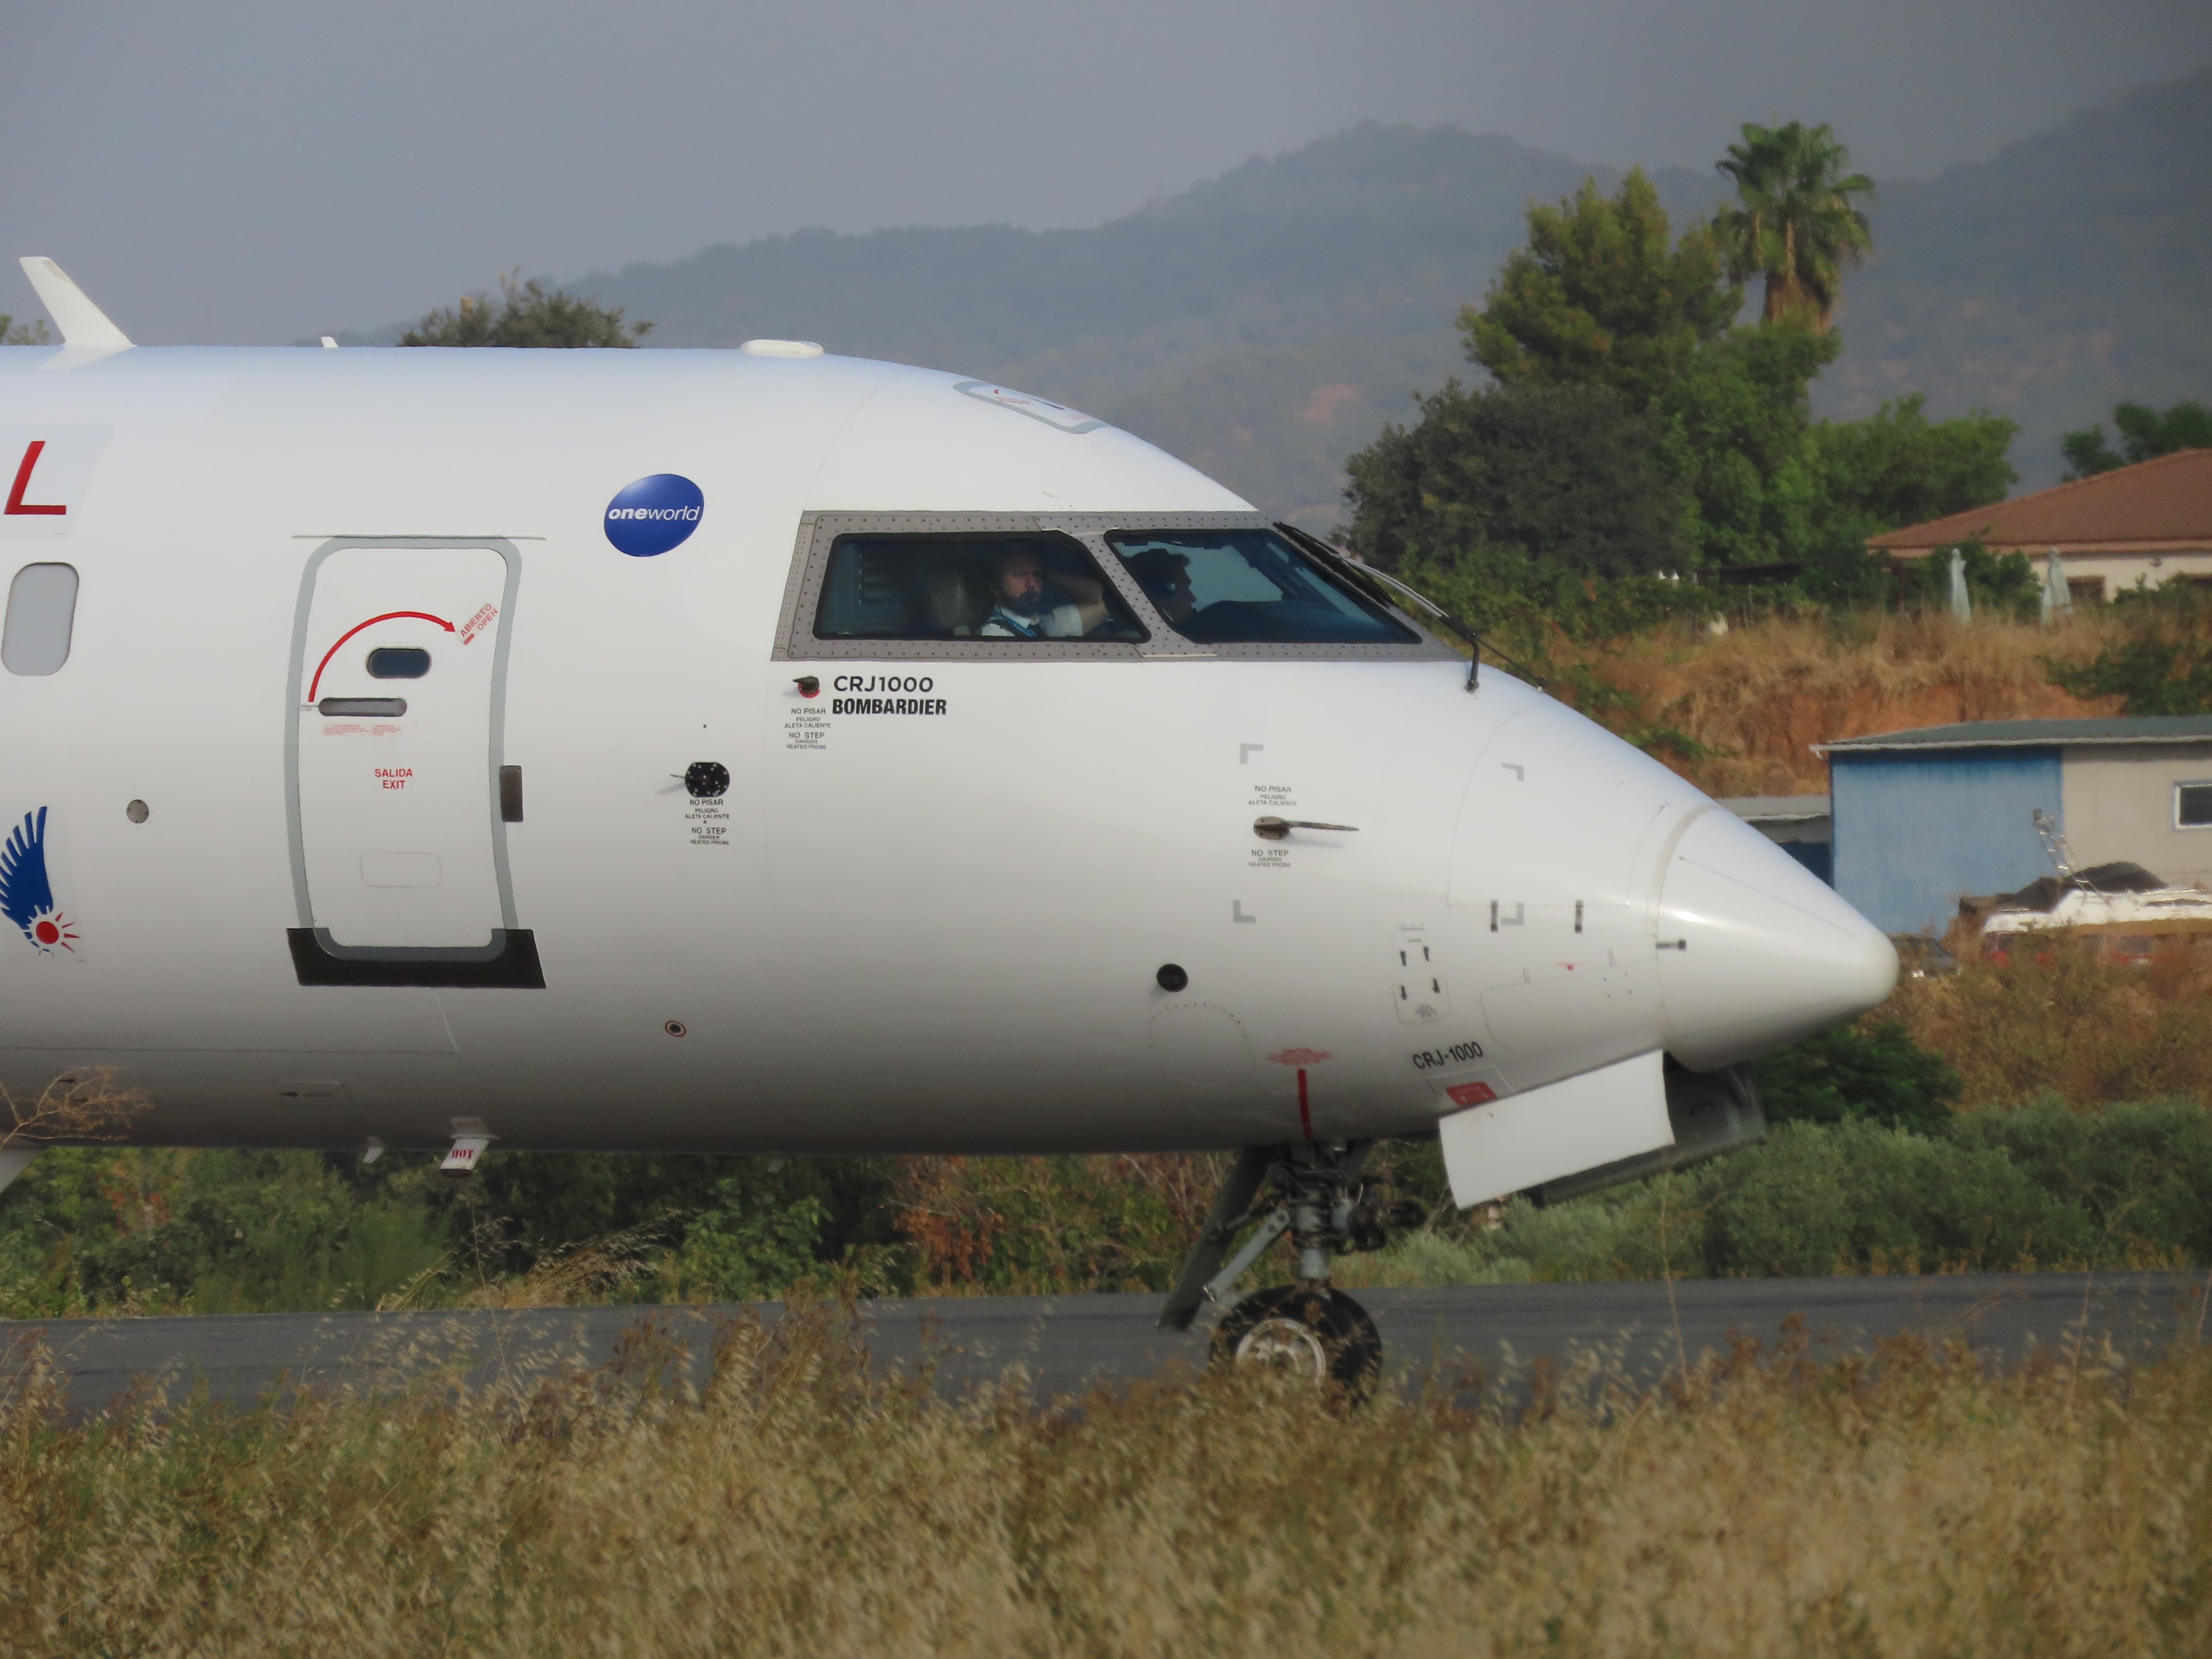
1755 951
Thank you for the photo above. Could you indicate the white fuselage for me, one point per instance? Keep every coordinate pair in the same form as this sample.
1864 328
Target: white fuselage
932 928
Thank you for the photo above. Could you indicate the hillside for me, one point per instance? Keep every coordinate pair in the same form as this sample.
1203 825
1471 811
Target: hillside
2066 273
1266 323
1263 324
1753 700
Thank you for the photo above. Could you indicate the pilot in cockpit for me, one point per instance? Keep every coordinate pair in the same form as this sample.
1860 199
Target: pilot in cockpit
1030 604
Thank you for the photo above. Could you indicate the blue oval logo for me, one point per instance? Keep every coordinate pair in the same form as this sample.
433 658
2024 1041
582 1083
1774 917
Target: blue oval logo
655 515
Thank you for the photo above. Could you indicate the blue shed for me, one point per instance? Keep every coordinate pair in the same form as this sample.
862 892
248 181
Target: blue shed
1923 818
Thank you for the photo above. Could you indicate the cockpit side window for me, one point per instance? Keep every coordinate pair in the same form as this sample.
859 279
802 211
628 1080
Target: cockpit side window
968 587
1250 587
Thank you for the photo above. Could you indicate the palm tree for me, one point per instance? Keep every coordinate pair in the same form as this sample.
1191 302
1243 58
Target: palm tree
1797 225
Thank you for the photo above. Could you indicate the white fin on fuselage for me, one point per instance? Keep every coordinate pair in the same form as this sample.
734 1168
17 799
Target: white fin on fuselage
81 322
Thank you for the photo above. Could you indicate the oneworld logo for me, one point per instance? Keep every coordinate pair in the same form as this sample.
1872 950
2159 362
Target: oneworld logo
655 515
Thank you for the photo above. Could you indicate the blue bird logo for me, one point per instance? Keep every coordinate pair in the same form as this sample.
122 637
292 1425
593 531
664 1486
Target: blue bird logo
26 895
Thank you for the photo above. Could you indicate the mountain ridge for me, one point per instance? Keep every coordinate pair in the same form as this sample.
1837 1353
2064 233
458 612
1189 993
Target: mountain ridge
1267 321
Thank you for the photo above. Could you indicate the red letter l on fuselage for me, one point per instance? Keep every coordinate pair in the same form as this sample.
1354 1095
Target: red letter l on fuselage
15 501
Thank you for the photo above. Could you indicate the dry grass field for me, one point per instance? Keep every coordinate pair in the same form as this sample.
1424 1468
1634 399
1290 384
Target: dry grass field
1759 696
1759 1506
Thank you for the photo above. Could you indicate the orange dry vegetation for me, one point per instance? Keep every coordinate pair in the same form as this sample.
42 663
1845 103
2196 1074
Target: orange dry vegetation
2059 1019
1758 697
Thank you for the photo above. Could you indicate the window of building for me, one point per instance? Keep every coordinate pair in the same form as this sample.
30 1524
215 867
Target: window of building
979 587
2192 806
41 614
2085 590
1250 587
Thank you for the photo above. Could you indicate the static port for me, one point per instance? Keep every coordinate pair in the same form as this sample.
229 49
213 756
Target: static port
136 811
707 778
675 1028
1171 978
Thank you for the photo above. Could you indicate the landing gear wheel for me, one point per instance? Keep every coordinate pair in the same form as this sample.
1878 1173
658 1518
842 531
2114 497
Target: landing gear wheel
1321 1336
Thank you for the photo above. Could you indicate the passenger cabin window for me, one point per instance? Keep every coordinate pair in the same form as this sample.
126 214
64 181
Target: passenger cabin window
2192 806
968 587
41 614
1250 587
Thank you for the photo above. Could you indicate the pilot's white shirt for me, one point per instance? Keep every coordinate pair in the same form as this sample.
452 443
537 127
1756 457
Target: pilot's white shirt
1058 622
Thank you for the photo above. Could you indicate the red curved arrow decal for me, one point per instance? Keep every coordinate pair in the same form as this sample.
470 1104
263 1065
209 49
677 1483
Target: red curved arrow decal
315 685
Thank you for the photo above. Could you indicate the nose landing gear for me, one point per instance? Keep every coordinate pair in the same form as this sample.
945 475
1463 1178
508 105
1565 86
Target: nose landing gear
1318 1335
1310 1328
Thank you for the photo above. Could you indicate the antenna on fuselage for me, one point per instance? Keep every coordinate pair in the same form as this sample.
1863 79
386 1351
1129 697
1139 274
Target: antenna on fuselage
81 322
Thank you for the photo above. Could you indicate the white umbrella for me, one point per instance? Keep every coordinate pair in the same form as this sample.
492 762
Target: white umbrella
2058 598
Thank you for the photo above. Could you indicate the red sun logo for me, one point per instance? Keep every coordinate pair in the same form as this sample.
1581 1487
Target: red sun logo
51 929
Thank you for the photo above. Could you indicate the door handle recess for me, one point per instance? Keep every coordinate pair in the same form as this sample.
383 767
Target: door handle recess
510 794
1272 829
389 708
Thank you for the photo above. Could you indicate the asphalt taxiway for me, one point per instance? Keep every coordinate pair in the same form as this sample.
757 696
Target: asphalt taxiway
1063 1345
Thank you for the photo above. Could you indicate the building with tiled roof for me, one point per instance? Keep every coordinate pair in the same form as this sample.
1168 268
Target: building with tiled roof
2150 524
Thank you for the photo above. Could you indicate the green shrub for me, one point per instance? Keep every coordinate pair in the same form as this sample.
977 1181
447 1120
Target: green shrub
218 1230
2143 1171
2161 663
1855 1195
1879 1073
88 1229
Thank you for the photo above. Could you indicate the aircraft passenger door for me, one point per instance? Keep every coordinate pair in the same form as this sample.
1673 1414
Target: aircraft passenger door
399 667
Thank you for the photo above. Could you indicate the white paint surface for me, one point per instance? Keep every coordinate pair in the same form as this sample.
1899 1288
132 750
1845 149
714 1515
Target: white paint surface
1510 1145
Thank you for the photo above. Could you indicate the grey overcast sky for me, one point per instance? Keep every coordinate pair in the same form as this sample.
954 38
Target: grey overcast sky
255 172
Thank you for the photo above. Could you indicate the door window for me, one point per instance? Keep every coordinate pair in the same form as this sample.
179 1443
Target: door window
41 614
397 662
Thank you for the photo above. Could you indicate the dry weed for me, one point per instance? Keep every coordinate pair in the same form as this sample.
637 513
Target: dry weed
1042 1225
799 1505
1759 696
85 1104
2060 1018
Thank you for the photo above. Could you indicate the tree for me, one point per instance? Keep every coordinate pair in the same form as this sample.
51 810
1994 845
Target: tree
34 332
1736 436
1897 467
1634 431
1797 225
2144 434
1602 295
526 315
1509 484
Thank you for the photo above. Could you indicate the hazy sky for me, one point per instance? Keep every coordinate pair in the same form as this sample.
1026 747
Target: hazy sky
258 171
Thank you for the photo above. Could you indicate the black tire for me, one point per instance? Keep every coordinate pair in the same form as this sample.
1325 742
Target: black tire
1323 1336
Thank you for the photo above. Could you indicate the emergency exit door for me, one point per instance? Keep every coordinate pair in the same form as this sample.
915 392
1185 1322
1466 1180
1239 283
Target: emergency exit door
399 669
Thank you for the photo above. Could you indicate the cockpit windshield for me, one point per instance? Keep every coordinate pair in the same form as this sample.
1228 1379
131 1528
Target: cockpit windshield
981 587
1250 587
